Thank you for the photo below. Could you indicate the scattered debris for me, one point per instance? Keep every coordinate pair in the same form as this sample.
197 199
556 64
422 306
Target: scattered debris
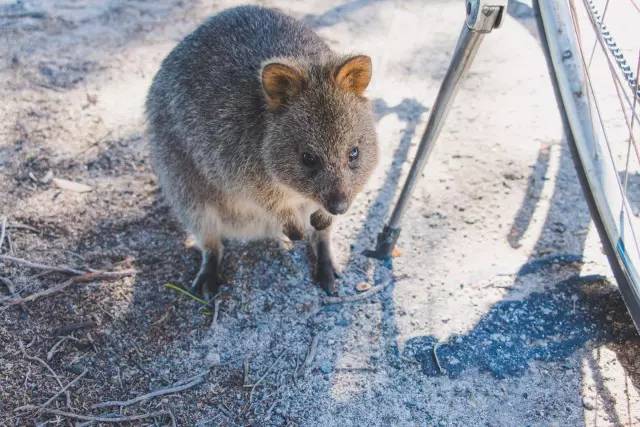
76 187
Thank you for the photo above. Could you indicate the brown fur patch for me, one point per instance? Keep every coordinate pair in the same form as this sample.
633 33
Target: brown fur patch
281 83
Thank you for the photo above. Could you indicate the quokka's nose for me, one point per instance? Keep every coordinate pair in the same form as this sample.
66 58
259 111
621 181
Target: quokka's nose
338 204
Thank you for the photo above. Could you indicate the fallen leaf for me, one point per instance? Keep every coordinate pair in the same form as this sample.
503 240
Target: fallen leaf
76 187
363 286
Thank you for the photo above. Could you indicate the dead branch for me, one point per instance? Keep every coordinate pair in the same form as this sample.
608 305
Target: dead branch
84 278
175 389
98 418
38 266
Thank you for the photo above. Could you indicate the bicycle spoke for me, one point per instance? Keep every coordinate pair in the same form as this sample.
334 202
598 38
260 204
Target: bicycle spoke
591 91
611 47
595 42
633 116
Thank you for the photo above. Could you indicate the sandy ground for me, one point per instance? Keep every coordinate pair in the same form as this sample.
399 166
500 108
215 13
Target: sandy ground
499 309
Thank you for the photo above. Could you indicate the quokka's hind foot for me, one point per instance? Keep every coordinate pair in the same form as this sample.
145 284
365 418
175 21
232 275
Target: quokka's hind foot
207 282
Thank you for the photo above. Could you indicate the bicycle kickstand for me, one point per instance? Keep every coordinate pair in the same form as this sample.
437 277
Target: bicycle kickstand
482 17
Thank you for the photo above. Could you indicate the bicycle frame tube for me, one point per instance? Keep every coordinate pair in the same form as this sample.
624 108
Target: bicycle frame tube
482 17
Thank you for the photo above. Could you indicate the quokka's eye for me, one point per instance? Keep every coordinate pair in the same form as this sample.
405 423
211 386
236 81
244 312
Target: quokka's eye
354 154
309 160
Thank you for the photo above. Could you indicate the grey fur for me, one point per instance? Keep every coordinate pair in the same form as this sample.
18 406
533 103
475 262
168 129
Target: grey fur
230 166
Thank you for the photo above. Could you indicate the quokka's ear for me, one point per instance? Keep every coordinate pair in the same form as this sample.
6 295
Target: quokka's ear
281 83
354 74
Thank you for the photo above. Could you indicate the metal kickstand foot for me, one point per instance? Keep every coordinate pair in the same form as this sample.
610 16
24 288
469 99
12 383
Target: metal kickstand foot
482 17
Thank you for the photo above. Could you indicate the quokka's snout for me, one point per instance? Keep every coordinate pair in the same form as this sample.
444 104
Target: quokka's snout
337 203
259 129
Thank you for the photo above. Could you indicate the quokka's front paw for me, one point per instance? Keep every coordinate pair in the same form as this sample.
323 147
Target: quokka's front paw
326 275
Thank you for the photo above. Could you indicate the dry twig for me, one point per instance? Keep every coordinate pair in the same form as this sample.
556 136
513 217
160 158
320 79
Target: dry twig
54 349
216 310
64 389
39 266
311 354
84 278
173 417
18 226
72 327
354 298
46 365
437 359
26 14
181 386
3 231
100 419
257 383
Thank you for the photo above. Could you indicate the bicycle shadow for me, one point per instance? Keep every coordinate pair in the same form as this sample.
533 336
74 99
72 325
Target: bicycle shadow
569 315
576 313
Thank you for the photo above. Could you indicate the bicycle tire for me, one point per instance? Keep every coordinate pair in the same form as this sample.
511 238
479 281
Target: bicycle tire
551 16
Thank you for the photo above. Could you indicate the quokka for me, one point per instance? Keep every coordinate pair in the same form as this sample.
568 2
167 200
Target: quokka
258 129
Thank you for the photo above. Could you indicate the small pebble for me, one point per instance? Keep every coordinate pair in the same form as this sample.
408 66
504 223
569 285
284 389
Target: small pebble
325 367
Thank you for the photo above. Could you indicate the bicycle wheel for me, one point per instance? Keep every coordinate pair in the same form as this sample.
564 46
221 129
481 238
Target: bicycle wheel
597 94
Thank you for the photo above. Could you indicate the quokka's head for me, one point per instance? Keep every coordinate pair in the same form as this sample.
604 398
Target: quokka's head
320 136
